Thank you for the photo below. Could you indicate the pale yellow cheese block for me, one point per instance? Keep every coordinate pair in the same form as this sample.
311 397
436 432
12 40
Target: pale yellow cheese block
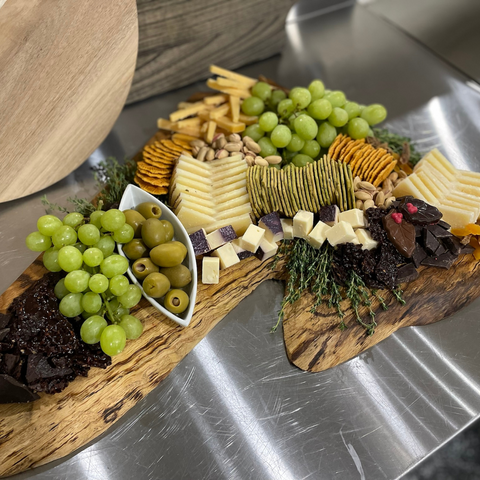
235 212
189 183
234 202
229 188
196 207
468 189
201 201
179 172
417 182
193 220
178 189
406 187
435 175
456 217
444 162
233 194
466 173
461 206
438 165
466 180
216 177
431 185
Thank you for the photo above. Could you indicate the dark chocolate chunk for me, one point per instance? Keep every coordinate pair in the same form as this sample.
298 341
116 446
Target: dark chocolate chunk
467 249
453 244
443 224
3 333
407 273
438 231
443 261
430 242
440 250
401 234
38 368
419 230
12 391
4 320
418 255
425 214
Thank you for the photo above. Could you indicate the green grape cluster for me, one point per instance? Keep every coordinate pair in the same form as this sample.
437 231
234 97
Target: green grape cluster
299 126
95 286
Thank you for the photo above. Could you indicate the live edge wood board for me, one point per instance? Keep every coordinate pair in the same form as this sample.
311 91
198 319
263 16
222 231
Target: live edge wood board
56 425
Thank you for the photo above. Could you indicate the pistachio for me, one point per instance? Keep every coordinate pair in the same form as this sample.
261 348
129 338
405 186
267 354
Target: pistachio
234 137
221 154
402 174
359 204
393 176
202 153
389 201
274 159
197 143
356 181
250 160
368 204
251 145
261 161
195 151
222 141
233 147
210 155
379 198
362 195
366 186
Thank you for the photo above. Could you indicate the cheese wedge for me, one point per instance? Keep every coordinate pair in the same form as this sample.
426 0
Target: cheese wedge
406 187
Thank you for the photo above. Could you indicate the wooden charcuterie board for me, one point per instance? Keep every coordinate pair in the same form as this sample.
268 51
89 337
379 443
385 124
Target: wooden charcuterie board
56 425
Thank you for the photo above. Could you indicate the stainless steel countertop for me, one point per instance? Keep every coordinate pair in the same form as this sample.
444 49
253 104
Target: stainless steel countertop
235 408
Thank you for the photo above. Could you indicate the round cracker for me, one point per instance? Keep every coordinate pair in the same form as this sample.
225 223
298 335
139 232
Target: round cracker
384 173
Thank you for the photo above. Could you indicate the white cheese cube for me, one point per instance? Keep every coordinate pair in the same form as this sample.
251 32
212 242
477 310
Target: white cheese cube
287 226
318 235
302 224
251 238
239 250
221 236
266 250
272 226
210 270
354 217
366 239
342 232
227 256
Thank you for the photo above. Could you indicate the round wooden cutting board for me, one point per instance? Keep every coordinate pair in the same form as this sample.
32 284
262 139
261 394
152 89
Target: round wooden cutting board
65 71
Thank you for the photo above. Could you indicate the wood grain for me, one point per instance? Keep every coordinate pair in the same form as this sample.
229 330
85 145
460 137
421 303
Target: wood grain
65 72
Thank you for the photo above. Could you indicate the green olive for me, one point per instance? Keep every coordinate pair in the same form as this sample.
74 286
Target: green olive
135 220
135 249
176 301
143 267
169 254
179 276
156 285
168 229
153 232
149 210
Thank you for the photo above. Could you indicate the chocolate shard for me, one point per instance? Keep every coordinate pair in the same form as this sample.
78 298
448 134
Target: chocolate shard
329 215
453 244
407 273
39 368
430 242
443 261
419 255
443 224
419 230
440 250
425 213
4 320
467 249
3 333
438 231
12 391
401 234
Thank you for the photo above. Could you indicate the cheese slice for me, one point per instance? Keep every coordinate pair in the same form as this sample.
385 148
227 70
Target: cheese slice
193 220
179 174
437 164
239 224
432 186
229 188
406 187
444 162
196 207
235 212
467 173
229 172
435 175
467 189
417 182
466 180
461 205
456 217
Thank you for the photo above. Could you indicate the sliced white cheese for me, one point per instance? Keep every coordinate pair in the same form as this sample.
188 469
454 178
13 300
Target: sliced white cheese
235 212
437 164
318 235
210 270
417 182
227 256
192 219
444 162
251 238
342 232
239 224
354 217
456 217
287 226
302 224
365 238
406 187
432 186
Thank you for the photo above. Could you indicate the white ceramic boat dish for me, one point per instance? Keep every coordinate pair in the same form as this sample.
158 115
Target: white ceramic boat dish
134 196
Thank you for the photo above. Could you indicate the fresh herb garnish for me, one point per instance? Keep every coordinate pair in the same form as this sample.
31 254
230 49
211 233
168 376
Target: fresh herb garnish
80 205
398 144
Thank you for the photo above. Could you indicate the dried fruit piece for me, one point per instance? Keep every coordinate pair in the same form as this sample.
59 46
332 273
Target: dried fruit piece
473 228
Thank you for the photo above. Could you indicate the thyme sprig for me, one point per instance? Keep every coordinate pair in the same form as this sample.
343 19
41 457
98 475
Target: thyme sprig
396 143
358 294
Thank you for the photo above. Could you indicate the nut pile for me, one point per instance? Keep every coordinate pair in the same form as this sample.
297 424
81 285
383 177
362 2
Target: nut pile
231 146
368 196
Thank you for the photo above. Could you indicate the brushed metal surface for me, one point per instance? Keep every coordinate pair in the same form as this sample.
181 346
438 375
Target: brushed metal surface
235 408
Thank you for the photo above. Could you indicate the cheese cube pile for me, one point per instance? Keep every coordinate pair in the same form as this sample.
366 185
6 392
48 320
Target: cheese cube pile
211 195
455 193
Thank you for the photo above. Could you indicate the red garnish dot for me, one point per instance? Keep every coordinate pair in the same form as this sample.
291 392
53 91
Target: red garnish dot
411 209
397 217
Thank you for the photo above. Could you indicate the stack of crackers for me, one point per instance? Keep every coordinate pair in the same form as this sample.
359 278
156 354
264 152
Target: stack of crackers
371 164
155 170
286 191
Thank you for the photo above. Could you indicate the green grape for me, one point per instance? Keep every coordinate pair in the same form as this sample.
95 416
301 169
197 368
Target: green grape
289 155
69 258
132 325
268 148
131 297
276 98
336 98
253 106
278 166
124 234
254 132
71 305
112 220
374 114
316 89
48 224
320 109
50 260
92 302
343 130
296 143
36 242
92 328
93 257
106 244
114 265
285 108
311 148
113 339
119 285
117 308
89 234
281 136
358 128
338 117
370 133
300 160
268 121
98 283
352 109
326 134
60 289
65 235
73 219
77 281
306 127
81 247
95 218
361 107
301 97
262 90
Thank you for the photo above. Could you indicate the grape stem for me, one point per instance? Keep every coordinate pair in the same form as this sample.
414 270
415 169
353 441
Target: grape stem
110 313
